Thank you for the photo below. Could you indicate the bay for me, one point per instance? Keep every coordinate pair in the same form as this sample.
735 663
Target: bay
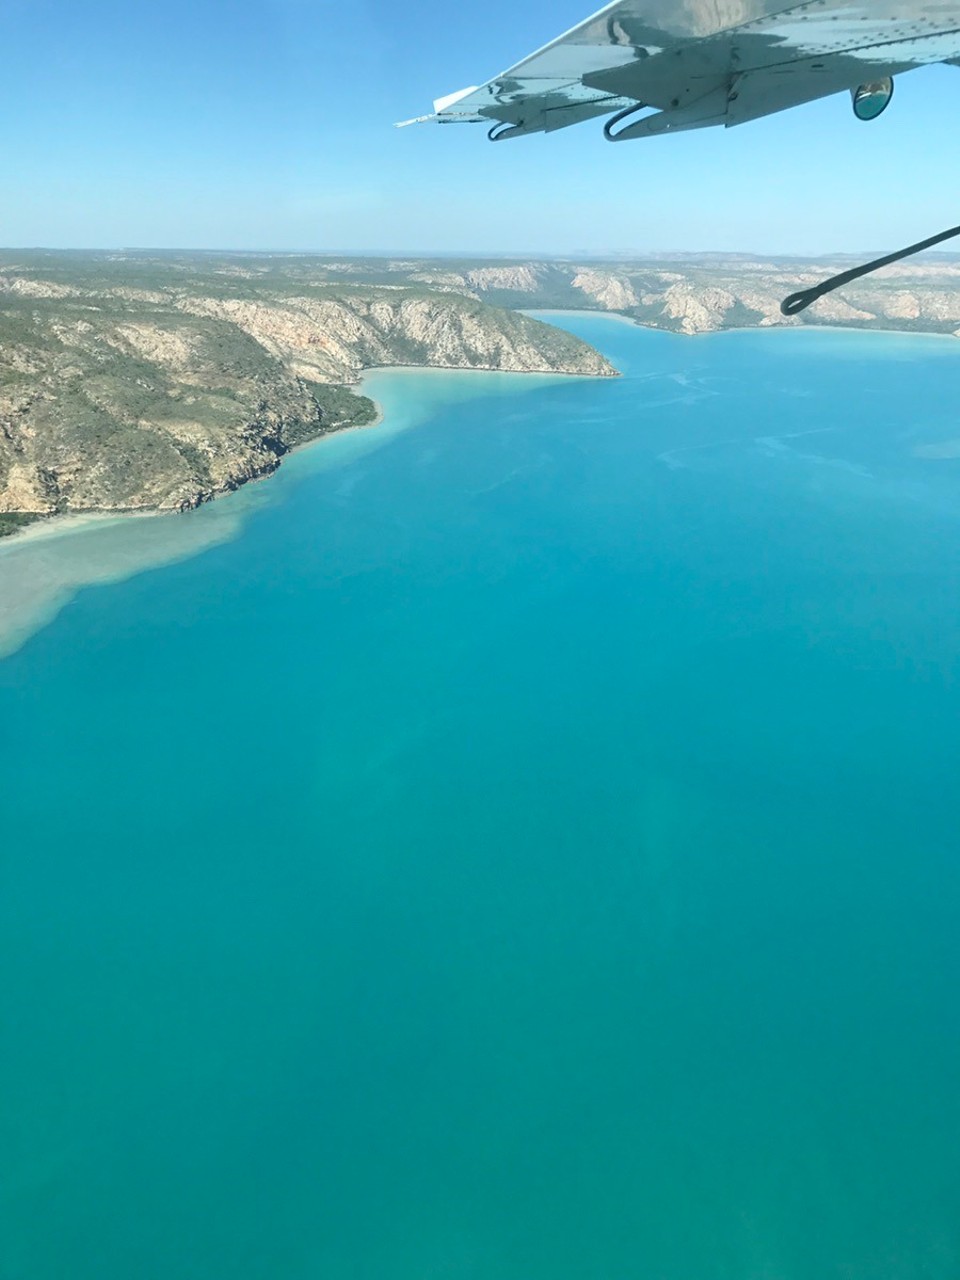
523 842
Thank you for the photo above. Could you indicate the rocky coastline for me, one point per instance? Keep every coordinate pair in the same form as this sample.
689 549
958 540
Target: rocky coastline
118 397
143 382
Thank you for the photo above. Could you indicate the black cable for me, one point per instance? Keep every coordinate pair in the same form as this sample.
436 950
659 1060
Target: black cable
798 302
621 115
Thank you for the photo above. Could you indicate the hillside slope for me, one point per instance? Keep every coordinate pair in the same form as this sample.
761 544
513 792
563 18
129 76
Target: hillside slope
160 388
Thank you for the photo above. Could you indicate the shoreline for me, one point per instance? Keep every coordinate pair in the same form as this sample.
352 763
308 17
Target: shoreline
44 565
48 527
588 311
746 328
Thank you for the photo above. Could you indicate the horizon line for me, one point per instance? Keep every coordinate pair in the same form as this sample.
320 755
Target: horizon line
435 254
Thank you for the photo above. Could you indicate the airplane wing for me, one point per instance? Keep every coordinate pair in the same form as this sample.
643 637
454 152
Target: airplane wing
689 64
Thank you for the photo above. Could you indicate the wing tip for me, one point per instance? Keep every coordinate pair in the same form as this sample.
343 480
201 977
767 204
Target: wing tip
402 124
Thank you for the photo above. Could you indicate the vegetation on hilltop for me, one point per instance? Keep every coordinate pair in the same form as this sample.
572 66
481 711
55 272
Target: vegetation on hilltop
687 293
156 381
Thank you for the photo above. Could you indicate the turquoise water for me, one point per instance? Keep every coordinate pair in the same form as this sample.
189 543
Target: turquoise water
527 851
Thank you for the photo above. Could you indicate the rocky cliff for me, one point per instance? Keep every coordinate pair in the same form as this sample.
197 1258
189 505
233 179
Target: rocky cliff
691 293
160 388
703 294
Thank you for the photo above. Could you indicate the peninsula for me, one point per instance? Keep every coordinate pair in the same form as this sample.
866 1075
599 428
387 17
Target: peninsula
156 382
147 381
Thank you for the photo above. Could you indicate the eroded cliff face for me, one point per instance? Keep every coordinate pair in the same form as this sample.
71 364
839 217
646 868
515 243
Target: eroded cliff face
128 398
332 339
136 416
704 293
606 289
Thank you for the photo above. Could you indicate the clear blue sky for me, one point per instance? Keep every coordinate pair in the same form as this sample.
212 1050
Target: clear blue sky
267 124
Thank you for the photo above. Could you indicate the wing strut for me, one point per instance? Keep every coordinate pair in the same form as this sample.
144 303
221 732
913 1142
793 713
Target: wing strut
798 302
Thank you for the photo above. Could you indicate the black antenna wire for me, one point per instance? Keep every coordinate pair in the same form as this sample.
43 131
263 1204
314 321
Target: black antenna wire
798 302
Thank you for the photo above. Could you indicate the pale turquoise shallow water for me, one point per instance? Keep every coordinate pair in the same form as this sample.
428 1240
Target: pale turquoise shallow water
529 851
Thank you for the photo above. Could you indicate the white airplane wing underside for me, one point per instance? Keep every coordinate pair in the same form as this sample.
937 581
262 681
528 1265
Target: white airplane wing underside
695 63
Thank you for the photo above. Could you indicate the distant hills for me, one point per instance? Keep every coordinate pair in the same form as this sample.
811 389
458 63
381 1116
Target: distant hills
687 293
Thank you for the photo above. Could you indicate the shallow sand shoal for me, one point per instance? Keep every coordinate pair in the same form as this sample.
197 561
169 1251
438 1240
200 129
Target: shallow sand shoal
43 566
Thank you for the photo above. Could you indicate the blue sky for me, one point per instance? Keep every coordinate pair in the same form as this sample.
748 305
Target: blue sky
267 124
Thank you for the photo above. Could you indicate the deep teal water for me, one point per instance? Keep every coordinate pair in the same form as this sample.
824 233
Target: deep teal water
528 852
